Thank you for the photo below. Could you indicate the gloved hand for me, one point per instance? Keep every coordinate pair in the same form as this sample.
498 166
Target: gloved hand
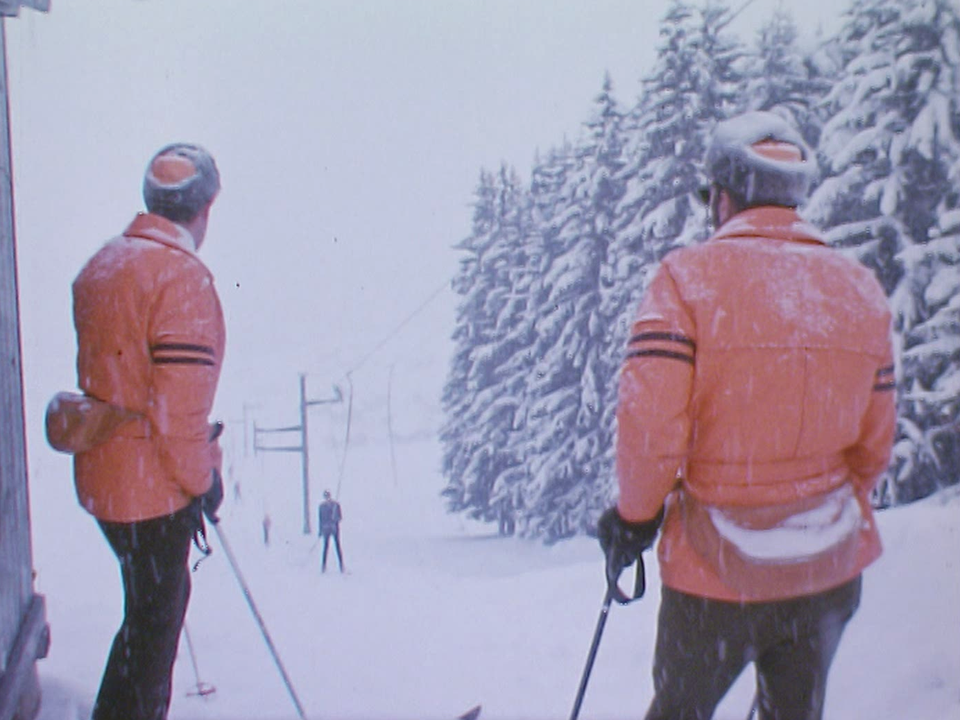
216 430
623 544
210 501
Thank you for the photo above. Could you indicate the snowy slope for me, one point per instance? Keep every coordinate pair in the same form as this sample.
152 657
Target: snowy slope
438 614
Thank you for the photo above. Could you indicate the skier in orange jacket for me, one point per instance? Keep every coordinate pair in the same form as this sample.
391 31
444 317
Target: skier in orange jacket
755 416
150 337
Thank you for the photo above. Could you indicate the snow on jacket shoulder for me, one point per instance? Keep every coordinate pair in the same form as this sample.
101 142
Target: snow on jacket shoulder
760 371
150 336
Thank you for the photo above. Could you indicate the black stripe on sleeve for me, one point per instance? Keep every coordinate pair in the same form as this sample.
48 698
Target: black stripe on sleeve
182 361
188 347
182 354
661 354
884 381
651 345
663 336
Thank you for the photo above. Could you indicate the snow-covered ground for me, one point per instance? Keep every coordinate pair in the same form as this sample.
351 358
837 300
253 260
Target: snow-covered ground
438 614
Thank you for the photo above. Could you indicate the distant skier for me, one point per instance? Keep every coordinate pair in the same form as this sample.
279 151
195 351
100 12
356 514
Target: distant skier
150 343
267 523
330 517
507 525
755 416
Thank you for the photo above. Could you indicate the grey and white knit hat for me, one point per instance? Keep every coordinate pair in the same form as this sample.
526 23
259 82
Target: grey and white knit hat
761 159
180 181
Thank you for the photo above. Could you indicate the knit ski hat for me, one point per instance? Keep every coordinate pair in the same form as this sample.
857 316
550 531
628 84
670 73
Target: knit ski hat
180 181
761 159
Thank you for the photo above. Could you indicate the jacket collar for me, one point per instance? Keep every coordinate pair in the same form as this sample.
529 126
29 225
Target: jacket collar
159 229
769 222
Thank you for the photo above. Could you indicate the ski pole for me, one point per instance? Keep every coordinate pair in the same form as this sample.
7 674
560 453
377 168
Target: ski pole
203 689
613 593
591 656
302 561
259 619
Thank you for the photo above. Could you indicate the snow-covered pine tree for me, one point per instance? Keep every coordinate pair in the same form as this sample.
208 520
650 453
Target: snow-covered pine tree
565 439
928 450
891 146
456 396
480 395
516 298
695 82
782 78
545 203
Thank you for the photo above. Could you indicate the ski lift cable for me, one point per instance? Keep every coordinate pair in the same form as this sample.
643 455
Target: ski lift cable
737 13
396 330
347 375
346 439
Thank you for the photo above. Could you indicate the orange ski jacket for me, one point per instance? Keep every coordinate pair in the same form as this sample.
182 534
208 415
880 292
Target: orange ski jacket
150 337
759 372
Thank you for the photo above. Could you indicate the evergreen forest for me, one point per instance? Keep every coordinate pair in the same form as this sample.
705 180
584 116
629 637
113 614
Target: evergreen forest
555 265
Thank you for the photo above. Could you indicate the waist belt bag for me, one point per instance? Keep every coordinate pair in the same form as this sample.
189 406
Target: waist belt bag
76 423
783 550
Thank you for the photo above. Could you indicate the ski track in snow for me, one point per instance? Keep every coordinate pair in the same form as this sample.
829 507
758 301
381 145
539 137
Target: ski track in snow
438 614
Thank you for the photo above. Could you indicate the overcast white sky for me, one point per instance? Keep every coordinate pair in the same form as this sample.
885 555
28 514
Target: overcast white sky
349 135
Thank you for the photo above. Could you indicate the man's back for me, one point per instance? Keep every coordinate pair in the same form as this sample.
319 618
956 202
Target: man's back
330 515
790 336
150 338
114 298
755 415
778 356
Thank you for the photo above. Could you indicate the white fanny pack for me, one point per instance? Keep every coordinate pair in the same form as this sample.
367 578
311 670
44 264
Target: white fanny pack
783 550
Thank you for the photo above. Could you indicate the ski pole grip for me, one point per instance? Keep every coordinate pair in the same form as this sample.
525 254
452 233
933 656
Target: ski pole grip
640 581
613 578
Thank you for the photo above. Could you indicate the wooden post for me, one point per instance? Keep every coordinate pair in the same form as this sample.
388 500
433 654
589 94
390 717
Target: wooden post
303 448
305 455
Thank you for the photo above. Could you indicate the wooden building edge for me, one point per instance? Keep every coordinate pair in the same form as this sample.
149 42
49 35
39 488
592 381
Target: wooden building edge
24 633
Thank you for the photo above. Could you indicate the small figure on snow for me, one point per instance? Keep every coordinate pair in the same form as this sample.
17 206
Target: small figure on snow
267 523
506 523
150 338
755 415
330 517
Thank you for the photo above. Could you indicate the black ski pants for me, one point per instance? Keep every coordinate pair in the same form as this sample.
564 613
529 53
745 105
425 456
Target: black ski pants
153 557
327 533
703 645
